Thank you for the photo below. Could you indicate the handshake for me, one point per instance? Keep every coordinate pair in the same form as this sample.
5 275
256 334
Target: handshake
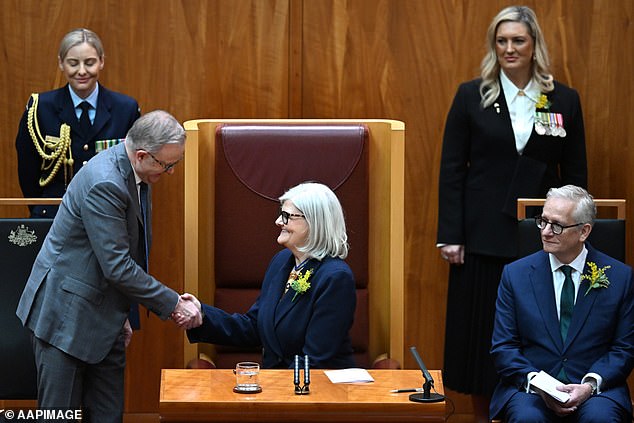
188 313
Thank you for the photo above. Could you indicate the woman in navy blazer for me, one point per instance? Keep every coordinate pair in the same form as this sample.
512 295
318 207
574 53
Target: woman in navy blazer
307 302
514 132
52 143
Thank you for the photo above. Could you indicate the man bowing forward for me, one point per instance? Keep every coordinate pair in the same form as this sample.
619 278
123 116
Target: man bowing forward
93 266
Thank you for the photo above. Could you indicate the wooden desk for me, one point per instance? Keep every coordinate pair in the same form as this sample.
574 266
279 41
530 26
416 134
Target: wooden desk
206 396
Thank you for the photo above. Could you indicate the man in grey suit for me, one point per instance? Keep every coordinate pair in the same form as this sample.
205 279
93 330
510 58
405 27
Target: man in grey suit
92 266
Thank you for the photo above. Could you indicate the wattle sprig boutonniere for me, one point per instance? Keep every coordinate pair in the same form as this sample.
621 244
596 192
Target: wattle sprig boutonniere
301 284
542 102
596 277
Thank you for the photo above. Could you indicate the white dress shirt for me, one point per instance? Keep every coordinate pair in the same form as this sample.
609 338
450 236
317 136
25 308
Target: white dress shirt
558 276
558 283
521 103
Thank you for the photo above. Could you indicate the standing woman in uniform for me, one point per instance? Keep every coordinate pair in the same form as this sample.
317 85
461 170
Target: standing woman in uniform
514 132
63 128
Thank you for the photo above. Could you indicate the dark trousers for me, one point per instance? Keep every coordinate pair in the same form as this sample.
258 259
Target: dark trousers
65 382
526 408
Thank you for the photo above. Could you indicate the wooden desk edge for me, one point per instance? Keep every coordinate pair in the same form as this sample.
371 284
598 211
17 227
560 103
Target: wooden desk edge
302 410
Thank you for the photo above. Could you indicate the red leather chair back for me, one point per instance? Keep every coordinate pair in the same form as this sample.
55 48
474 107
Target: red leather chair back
255 165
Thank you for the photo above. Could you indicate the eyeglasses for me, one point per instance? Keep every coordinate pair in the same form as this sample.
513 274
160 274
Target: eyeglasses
166 166
555 227
286 216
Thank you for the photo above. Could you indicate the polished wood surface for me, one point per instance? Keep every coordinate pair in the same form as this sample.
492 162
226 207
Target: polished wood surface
206 395
618 204
319 59
28 201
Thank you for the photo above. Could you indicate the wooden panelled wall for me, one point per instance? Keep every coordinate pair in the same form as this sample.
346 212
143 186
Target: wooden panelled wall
399 59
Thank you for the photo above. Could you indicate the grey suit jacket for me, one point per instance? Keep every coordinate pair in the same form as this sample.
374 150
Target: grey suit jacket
88 270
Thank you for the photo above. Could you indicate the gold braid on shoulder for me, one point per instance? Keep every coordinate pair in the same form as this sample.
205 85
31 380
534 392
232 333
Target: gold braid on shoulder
55 152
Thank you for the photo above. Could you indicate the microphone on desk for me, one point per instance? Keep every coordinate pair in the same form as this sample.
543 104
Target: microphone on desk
301 389
426 395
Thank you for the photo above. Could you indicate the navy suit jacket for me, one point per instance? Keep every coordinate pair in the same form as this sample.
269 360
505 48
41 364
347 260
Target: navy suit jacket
482 175
317 323
526 335
114 116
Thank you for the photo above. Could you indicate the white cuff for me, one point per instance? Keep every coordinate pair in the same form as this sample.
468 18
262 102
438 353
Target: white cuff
530 376
593 377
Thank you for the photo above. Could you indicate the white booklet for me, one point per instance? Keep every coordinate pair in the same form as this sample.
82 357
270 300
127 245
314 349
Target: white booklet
548 384
352 375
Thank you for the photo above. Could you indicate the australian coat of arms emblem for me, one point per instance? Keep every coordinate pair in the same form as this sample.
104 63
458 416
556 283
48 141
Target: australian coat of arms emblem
22 236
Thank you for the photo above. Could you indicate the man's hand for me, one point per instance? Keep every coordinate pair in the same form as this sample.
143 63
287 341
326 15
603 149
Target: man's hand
190 297
127 332
579 393
187 314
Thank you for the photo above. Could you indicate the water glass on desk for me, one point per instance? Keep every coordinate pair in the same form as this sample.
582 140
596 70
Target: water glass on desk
247 378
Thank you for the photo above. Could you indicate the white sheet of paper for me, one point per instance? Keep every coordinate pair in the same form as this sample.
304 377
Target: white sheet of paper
352 375
548 384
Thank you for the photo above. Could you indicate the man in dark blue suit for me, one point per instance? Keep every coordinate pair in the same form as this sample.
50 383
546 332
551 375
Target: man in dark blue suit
567 310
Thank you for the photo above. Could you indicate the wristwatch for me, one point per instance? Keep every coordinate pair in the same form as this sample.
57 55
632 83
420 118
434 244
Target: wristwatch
593 385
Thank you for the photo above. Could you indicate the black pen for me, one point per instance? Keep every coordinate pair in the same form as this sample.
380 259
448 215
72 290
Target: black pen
398 391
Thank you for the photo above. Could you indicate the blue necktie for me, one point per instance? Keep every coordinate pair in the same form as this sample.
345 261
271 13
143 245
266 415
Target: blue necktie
133 317
144 204
567 302
84 119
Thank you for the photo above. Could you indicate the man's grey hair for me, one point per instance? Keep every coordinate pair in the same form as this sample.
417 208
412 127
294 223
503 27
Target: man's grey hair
153 130
586 210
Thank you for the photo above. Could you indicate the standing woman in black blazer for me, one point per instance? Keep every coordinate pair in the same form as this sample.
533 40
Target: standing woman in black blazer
54 138
514 132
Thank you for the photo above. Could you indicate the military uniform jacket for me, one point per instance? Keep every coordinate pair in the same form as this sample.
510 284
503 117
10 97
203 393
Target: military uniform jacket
114 116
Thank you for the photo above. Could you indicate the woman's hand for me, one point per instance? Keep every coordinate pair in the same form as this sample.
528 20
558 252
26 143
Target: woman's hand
453 253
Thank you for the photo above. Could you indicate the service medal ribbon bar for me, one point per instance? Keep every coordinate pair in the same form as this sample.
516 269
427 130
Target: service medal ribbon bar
550 124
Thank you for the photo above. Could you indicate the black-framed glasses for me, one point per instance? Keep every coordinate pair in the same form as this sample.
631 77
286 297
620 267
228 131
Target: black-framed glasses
286 216
557 228
166 166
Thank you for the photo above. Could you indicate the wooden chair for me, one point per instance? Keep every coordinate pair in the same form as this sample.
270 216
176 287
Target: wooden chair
244 165
608 233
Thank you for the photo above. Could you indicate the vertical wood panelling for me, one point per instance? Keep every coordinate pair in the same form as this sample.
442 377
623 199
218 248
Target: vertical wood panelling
191 58
399 59
404 60
295 50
